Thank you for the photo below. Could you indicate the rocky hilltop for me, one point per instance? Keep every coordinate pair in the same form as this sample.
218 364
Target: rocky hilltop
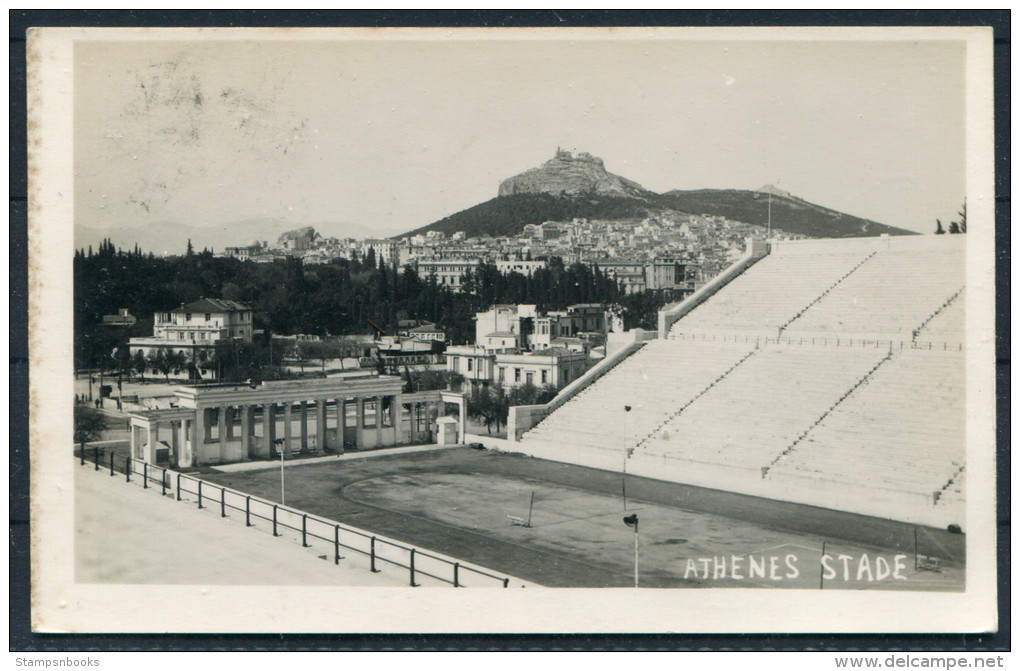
566 174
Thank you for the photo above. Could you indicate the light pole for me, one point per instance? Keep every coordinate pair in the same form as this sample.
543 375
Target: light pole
626 454
632 521
283 492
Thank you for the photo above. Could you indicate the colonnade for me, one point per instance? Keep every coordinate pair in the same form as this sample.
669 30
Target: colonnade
229 427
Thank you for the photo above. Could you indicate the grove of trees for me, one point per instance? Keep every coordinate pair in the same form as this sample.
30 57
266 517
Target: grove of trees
327 300
490 404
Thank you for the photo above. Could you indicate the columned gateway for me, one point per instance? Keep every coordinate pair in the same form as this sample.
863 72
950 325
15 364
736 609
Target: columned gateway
226 423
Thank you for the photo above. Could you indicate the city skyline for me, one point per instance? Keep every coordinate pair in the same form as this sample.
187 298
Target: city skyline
390 135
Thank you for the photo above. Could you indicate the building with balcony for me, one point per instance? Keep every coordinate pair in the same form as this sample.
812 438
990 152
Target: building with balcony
194 330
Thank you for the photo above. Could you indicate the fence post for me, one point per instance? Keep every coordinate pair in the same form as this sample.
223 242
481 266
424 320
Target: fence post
274 520
413 583
304 530
247 511
162 481
112 453
456 574
128 465
145 475
223 502
506 582
336 544
200 495
372 556
81 453
95 455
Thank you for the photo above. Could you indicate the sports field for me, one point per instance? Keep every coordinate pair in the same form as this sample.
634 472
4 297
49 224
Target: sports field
470 504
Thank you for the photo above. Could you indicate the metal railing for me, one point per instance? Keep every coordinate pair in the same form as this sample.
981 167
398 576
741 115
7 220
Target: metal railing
380 551
833 341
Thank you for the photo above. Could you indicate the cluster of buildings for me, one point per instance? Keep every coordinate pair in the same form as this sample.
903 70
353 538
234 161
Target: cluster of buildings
667 252
516 345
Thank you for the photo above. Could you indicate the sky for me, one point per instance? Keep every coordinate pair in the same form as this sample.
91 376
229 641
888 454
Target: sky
387 135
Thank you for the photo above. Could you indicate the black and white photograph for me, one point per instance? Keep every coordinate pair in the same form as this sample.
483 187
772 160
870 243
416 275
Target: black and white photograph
512 330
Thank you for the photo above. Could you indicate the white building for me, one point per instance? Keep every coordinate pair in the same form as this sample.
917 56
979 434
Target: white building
517 266
504 326
194 329
448 272
555 366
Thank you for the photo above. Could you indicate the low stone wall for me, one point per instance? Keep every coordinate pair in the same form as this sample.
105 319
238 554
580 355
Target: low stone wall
522 418
756 250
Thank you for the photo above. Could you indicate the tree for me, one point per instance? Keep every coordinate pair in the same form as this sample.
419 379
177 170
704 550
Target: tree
938 227
489 405
961 225
165 361
89 424
139 364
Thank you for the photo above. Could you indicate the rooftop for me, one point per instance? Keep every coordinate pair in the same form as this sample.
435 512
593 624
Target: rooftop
212 305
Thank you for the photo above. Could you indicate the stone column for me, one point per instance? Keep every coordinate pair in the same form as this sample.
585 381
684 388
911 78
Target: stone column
223 437
396 413
303 422
461 407
428 419
359 424
341 424
198 439
176 439
150 449
135 447
268 427
378 419
246 417
287 430
184 457
320 425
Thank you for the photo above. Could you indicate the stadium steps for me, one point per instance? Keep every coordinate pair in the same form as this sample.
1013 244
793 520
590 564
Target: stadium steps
768 293
653 381
793 445
701 393
884 296
885 435
952 317
951 484
761 406
826 292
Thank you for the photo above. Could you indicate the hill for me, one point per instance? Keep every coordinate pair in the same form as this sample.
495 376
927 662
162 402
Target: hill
569 186
566 174
507 215
789 213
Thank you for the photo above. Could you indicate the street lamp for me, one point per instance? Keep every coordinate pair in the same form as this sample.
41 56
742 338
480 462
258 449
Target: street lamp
627 451
279 447
632 521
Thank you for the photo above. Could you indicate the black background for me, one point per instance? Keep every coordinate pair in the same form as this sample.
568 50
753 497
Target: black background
22 639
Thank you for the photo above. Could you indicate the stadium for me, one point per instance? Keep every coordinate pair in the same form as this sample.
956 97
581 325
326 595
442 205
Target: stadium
799 421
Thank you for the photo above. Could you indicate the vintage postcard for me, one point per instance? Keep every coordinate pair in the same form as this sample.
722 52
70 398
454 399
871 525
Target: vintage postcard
512 330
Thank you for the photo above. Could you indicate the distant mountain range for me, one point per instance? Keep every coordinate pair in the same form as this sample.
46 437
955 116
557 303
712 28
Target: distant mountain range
167 237
570 186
